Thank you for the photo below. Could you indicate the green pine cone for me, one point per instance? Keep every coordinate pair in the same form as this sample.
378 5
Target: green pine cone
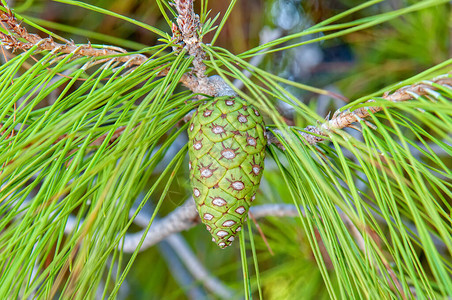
227 151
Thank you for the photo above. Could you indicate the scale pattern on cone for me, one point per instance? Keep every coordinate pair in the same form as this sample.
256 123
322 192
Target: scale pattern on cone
227 150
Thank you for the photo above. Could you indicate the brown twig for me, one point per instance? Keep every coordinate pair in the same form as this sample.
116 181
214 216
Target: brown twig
347 118
186 34
17 35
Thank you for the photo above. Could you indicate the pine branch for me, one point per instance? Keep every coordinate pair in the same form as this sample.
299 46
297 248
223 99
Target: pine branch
197 269
186 33
186 216
315 134
18 33
339 120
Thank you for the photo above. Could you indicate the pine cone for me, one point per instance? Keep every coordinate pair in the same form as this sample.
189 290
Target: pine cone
227 150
